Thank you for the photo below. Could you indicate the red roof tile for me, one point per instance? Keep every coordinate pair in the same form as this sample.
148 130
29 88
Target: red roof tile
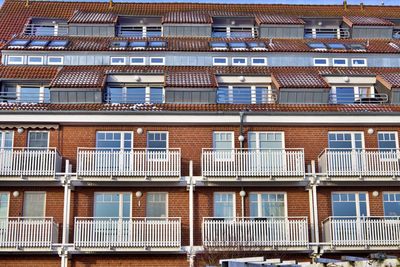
298 80
366 21
390 80
187 17
278 19
190 79
79 79
28 72
93 17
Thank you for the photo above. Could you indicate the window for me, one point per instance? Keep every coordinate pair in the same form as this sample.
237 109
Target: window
220 61
347 204
138 61
117 60
346 140
138 44
353 95
317 46
58 44
112 205
38 139
337 46
27 94
6 139
119 44
4 204
34 204
224 204
239 61
15 60
157 141
387 141
340 62
114 140
157 205
134 95
35 60
266 151
267 205
256 45
157 61
321 62
238 45
359 62
244 95
266 140
19 43
158 44
358 47
218 45
153 32
38 43
391 204
55 60
259 61
223 145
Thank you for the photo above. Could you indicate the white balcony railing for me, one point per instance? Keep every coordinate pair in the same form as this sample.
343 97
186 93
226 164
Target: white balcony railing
28 233
253 163
129 163
333 33
29 162
255 232
127 233
365 162
362 231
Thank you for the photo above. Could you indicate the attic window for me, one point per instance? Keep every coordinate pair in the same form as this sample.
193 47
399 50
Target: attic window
256 45
337 46
38 43
138 44
119 44
237 45
356 46
157 44
21 43
317 46
58 43
218 45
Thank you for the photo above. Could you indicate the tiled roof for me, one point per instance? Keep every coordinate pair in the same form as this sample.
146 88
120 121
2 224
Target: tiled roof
12 9
266 108
366 21
298 80
27 72
278 19
187 17
390 80
93 17
199 44
79 79
190 79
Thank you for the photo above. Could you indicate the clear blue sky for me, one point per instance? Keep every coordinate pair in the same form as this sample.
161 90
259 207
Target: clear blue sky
366 2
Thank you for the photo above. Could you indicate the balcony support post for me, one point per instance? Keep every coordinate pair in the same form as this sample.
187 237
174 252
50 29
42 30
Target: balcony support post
314 182
191 215
66 214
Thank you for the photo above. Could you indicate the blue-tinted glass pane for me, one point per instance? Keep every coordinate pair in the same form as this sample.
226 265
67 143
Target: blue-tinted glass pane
218 44
344 209
241 95
114 95
237 45
38 43
317 45
392 208
261 95
157 44
336 46
135 95
156 95
344 95
138 44
320 61
58 43
223 95
30 94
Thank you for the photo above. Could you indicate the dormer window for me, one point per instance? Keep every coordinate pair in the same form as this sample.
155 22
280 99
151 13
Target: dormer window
325 28
24 94
46 27
237 27
134 94
133 26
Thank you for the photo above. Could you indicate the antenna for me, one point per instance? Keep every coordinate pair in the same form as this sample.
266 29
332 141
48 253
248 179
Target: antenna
110 4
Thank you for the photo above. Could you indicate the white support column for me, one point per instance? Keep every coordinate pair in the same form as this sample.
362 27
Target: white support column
315 202
310 201
66 215
191 217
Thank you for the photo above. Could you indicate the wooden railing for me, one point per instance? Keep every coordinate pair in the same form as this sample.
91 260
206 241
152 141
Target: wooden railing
28 232
364 162
362 231
253 163
129 163
29 161
127 233
255 232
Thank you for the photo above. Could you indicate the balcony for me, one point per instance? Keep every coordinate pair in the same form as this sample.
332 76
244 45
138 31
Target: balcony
23 233
46 29
352 98
269 232
101 164
246 164
371 164
126 234
362 232
333 33
35 163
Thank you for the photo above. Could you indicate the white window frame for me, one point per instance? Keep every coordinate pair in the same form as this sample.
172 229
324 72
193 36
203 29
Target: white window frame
8 201
147 91
224 132
259 206
53 63
346 64
137 64
44 206
253 90
166 202
153 132
239 64
9 62
233 200
2 140
357 200
157 64
38 131
117 64
35 63
396 134
259 64
353 140
19 87
122 139
359 65
320 58
120 204
220 64
257 133
383 200
356 90
218 157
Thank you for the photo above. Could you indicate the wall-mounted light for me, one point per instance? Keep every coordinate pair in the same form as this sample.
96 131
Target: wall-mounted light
346 79
137 78
319 23
139 130
138 194
375 193
241 138
15 194
242 193
20 130
242 78
233 22
370 131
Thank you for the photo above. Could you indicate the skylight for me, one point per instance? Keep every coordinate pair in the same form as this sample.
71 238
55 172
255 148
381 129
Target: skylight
19 42
356 46
38 43
58 43
255 45
141 44
238 45
336 46
218 45
317 45
119 44
157 44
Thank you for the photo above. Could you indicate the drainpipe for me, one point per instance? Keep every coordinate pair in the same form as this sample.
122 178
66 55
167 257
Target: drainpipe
310 201
191 217
241 137
315 202
66 215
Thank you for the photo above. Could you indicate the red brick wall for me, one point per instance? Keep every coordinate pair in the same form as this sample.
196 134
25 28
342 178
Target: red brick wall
192 139
19 260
